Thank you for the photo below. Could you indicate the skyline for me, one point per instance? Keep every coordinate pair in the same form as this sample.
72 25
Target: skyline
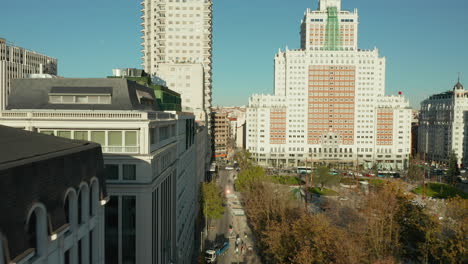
412 67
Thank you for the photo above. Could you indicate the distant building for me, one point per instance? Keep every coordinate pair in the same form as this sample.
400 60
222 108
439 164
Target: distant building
151 163
442 125
329 103
177 46
236 115
52 193
414 133
17 62
220 135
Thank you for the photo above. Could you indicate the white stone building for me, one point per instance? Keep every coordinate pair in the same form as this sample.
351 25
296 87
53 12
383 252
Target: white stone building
17 62
329 102
149 157
177 46
442 126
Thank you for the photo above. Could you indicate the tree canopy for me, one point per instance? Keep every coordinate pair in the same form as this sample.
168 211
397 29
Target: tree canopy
453 170
212 200
323 177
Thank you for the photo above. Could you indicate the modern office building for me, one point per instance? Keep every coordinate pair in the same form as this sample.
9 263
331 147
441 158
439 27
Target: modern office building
53 195
329 103
442 126
17 62
149 158
220 135
177 46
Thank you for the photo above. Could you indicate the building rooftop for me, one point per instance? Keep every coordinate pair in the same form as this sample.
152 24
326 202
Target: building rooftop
20 146
40 169
124 94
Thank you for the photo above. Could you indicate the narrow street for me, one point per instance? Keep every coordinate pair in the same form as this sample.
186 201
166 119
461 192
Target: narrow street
219 229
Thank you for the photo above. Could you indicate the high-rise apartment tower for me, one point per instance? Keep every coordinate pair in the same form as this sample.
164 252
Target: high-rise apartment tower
329 102
177 45
16 63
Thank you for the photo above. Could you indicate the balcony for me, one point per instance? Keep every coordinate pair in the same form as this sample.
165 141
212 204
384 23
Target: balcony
85 115
120 149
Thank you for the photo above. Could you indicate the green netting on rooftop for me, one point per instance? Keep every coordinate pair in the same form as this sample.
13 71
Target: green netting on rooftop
332 34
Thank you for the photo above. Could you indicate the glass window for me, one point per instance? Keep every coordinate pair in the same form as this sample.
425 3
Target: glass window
105 99
130 138
81 135
128 229
64 134
114 138
129 172
112 171
67 98
98 137
112 230
48 132
56 99
93 99
152 134
82 99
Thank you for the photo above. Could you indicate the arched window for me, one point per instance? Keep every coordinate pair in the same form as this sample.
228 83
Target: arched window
71 209
83 203
94 202
37 229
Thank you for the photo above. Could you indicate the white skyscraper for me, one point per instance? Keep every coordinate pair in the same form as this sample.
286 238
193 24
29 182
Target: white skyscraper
329 103
177 47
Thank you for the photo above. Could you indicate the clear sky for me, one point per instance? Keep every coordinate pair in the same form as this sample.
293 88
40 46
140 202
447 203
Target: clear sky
425 41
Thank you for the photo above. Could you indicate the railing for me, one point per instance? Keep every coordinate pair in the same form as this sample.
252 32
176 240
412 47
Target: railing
84 115
120 149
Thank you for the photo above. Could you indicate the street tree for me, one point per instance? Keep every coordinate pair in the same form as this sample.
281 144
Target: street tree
415 171
453 170
243 159
322 177
212 200
248 176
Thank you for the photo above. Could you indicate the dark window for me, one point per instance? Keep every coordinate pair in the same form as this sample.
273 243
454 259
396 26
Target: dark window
152 134
112 171
80 207
128 229
112 230
129 172
80 251
91 237
67 257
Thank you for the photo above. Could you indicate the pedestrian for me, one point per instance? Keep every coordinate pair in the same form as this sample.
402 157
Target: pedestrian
245 235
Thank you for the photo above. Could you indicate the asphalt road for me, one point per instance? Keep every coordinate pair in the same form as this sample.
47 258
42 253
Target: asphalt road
219 229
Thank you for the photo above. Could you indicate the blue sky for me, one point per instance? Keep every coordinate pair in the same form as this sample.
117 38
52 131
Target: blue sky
425 41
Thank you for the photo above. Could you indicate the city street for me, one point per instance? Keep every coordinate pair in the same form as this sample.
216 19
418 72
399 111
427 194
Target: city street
219 229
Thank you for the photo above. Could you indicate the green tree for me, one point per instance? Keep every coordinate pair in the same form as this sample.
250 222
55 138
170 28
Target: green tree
322 177
243 159
415 171
212 200
453 170
247 177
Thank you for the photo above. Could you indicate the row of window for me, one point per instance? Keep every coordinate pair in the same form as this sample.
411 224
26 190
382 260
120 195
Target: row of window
113 138
126 172
80 99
